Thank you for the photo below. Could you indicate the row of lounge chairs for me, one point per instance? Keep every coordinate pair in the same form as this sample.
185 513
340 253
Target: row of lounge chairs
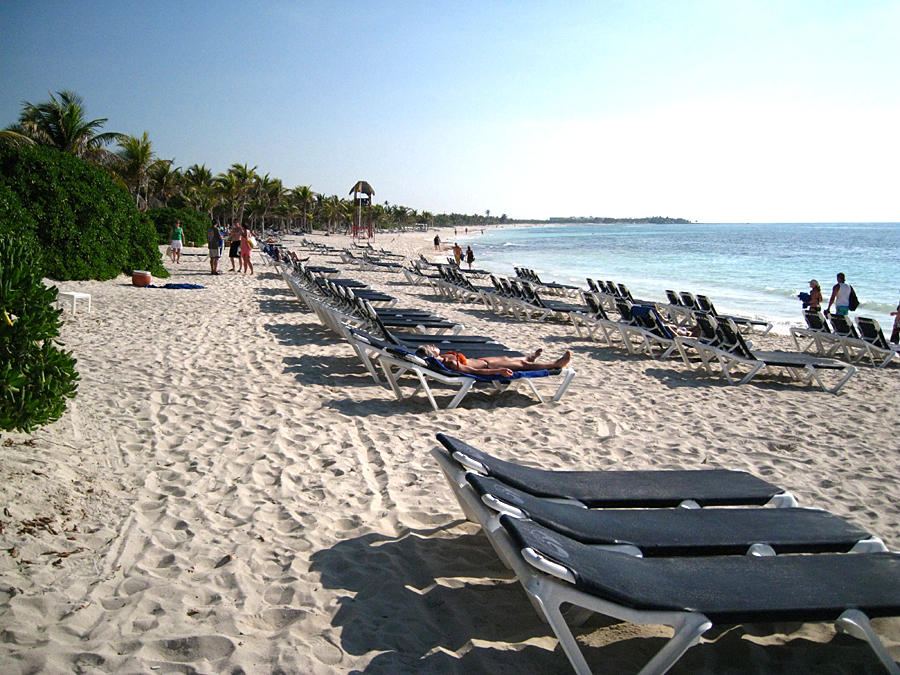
863 342
614 543
641 328
701 303
368 261
386 339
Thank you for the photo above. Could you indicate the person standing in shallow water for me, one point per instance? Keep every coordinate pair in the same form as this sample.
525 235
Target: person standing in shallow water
470 256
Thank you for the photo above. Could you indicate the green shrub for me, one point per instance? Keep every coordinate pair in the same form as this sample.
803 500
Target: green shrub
13 216
193 222
85 224
36 376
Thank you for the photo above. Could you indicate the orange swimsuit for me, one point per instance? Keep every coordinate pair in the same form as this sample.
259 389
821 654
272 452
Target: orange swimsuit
459 357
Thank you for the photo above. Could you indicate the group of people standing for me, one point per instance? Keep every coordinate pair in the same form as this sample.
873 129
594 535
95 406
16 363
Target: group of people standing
458 254
843 297
240 242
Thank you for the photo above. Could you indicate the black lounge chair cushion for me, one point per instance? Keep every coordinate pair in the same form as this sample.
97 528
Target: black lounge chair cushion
727 589
668 532
626 489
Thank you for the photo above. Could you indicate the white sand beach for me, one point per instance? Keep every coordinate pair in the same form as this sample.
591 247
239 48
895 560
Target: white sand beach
231 492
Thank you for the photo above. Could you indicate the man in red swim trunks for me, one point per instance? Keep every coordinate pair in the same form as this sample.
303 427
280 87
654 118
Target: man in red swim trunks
493 365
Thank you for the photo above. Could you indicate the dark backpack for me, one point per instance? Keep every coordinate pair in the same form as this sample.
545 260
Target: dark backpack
854 301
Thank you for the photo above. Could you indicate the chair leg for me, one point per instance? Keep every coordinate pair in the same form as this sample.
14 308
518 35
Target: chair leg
855 623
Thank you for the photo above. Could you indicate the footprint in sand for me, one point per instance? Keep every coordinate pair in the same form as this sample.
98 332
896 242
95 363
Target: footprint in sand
185 650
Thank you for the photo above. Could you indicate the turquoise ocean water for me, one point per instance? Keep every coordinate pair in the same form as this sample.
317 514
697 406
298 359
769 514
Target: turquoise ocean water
752 269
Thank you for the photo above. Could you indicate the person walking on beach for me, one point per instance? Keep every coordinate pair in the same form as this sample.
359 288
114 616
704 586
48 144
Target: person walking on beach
234 245
177 239
245 250
840 296
214 242
470 256
492 365
815 296
895 333
457 253
437 242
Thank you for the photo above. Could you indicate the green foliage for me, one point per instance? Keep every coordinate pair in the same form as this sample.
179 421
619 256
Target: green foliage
13 216
193 222
36 376
84 223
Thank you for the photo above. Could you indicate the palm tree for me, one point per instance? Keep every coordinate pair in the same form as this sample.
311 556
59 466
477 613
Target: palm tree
135 159
200 189
243 182
13 137
227 189
303 197
61 123
266 194
165 182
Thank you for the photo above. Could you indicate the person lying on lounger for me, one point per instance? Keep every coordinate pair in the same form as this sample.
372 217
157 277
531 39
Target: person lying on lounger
492 365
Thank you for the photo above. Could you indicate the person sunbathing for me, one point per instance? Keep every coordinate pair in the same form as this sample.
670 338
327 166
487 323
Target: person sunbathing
493 365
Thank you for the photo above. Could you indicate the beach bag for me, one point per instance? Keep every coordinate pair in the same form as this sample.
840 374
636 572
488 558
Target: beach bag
854 301
251 240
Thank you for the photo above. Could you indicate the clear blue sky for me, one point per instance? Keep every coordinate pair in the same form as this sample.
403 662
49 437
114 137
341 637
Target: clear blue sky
711 110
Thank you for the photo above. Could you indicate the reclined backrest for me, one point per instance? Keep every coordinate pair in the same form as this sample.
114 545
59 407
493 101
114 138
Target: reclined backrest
842 326
688 300
870 331
592 285
673 298
815 320
625 293
516 289
611 288
732 339
595 307
649 319
530 294
706 304
623 306
709 329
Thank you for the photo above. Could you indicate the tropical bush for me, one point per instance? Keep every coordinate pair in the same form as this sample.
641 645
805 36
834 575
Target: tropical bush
193 222
86 226
13 216
36 375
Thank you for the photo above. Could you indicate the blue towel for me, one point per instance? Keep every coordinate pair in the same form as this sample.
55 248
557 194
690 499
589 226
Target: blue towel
178 286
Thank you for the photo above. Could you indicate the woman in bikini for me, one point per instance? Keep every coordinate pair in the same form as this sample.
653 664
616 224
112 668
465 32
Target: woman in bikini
492 365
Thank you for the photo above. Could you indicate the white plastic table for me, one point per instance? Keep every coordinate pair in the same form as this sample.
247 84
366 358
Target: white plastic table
73 297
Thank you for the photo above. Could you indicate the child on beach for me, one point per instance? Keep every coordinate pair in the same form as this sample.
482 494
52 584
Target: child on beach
492 365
